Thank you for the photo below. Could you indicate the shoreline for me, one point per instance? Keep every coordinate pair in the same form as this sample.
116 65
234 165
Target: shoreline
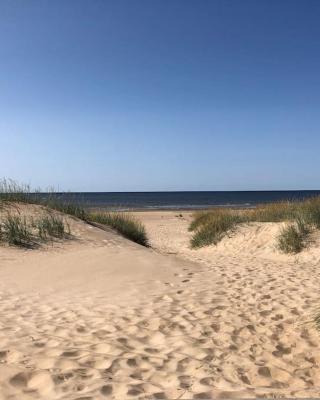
171 209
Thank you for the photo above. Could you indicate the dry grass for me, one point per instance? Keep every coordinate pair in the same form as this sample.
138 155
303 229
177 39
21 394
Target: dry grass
272 212
210 227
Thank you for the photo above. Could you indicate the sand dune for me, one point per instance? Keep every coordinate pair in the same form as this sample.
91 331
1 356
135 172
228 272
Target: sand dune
99 317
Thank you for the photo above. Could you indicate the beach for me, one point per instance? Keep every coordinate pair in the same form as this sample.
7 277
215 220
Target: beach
99 317
159 199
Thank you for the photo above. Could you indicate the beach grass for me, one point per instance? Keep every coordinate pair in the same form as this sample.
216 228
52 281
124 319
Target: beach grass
23 231
273 212
51 226
15 230
292 237
69 207
209 227
14 192
125 224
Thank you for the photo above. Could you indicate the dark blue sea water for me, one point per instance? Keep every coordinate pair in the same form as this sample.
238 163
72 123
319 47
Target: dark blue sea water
183 200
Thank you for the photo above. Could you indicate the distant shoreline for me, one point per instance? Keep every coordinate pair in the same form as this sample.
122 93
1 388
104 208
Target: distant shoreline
169 209
178 201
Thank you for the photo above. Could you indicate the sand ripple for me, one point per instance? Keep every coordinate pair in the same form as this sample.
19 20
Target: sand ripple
231 326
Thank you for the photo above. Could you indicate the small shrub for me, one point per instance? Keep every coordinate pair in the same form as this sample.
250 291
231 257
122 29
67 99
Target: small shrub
52 226
14 230
292 237
125 224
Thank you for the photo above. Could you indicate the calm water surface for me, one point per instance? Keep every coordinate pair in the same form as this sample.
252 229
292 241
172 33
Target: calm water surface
182 200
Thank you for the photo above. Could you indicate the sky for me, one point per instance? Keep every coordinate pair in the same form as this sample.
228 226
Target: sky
147 95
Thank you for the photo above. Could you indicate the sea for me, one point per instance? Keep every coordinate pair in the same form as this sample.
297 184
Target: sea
126 201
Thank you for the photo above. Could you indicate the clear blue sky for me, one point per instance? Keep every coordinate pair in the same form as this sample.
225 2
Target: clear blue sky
115 95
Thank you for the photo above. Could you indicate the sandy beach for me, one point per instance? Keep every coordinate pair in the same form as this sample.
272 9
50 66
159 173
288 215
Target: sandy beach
159 199
100 317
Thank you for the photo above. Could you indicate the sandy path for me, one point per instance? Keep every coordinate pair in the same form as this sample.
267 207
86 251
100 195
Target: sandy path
263 341
103 318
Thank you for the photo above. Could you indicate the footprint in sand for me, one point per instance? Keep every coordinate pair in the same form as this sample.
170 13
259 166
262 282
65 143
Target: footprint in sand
106 390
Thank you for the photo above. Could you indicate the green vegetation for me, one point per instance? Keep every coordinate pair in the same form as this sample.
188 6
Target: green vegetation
125 224
311 212
292 237
273 212
66 207
210 227
15 231
308 210
51 226
13 192
54 227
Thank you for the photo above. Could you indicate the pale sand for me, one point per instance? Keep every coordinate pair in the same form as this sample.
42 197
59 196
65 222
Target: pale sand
99 317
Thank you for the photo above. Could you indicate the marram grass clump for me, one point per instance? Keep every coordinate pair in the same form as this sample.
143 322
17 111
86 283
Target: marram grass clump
21 231
310 210
15 230
210 227
292 238
67 207
11 191
125 224
51 226
14 192
273 212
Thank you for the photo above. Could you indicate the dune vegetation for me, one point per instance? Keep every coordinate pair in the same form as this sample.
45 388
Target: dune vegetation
52 226
125 224
292 238
210 227
20 230
15 231
301 217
